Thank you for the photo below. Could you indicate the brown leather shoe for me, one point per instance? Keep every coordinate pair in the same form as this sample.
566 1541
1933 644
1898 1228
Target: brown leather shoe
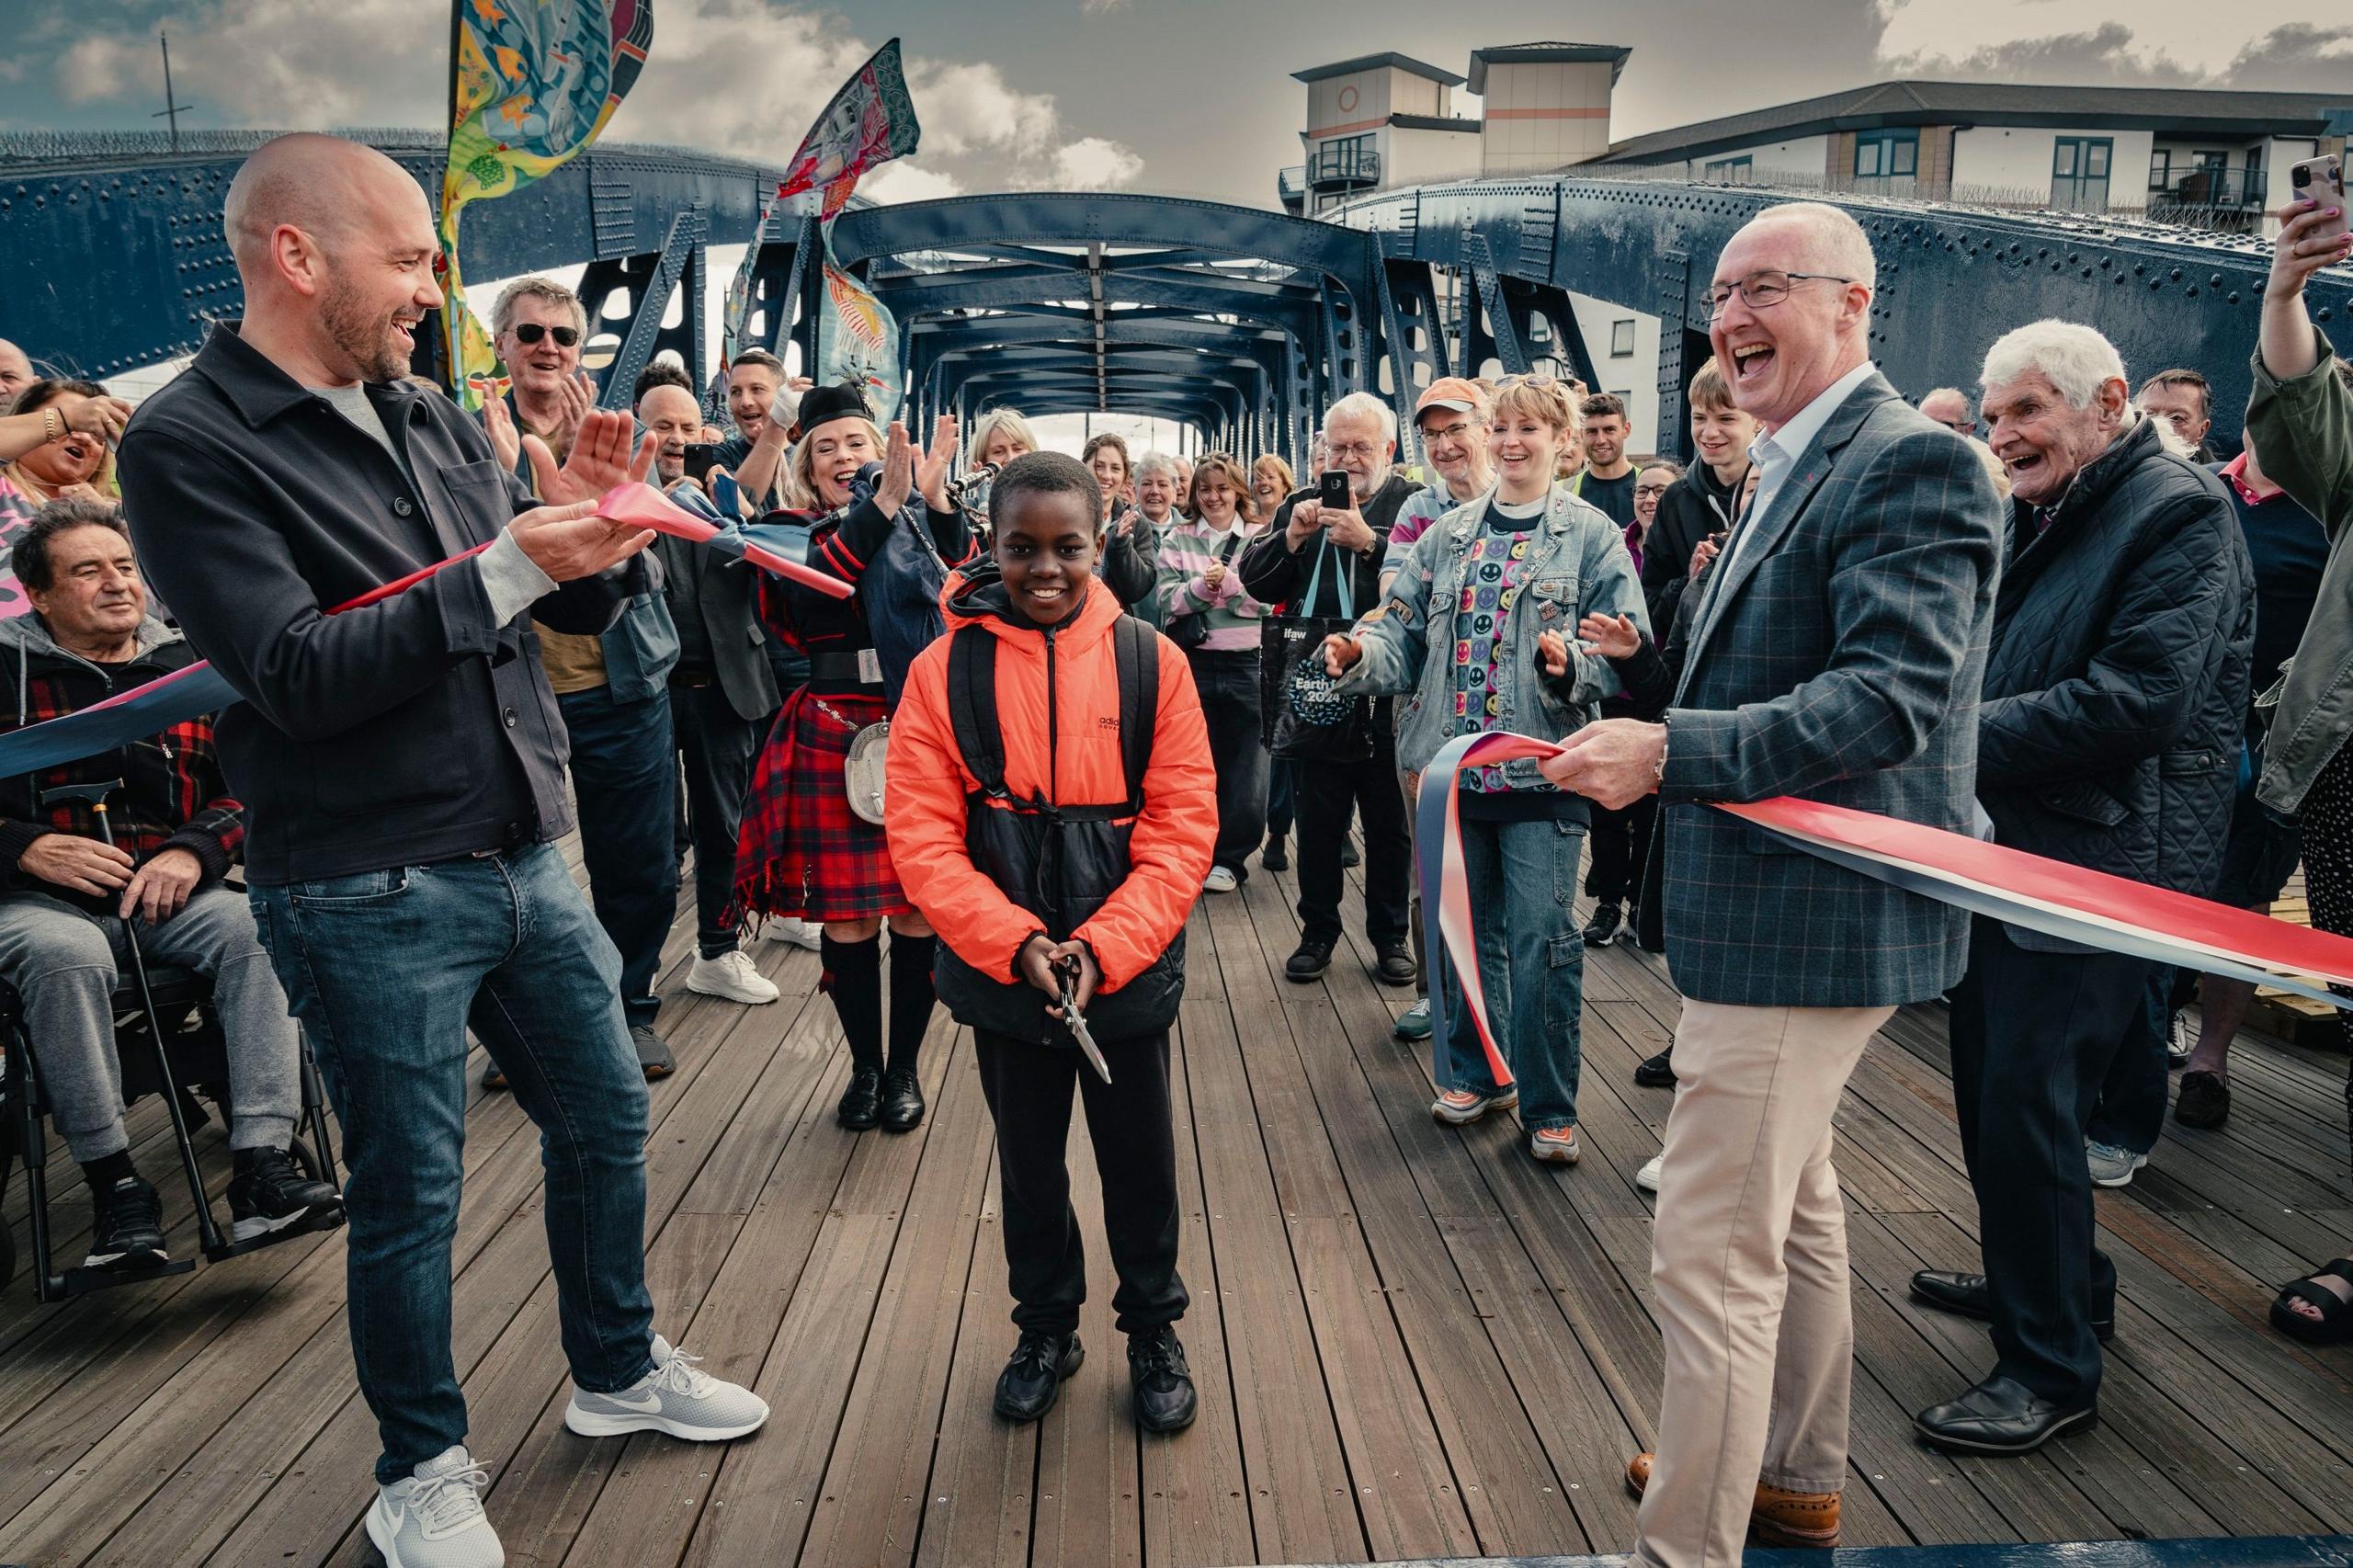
1778 1518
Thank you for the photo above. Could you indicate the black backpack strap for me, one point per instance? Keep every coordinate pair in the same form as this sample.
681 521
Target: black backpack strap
1137 651
971 707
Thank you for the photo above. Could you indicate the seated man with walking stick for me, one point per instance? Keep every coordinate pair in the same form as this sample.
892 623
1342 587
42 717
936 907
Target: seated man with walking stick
73 897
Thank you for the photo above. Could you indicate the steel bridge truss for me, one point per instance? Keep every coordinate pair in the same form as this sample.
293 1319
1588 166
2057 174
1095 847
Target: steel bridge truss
1244 323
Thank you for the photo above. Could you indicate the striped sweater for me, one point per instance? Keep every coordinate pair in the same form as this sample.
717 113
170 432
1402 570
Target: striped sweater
1187 552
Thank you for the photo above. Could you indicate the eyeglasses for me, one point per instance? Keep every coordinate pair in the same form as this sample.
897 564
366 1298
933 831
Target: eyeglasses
1340 452
1965 426
1454 432
1640 490
1762 291
530 332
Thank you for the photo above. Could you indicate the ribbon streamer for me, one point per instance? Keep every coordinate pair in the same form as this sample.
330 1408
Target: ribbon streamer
199 689
2072 903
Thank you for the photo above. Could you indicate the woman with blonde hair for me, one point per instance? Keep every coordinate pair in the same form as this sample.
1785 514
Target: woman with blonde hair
998 437
1271 483
806 850
1471 618
1208 613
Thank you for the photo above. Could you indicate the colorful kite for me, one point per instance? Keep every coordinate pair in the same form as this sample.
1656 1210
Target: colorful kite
532 82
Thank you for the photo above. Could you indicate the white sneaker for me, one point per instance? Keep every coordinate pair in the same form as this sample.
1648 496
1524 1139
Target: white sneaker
434 1519
672 1398
731 975
794 932
2111 1164
1219 879
2181 1037
1647 1178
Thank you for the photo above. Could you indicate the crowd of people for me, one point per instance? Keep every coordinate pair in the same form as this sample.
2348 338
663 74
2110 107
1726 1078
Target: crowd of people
1093 690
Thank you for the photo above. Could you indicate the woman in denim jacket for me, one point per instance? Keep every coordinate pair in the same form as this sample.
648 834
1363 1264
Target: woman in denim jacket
1498 574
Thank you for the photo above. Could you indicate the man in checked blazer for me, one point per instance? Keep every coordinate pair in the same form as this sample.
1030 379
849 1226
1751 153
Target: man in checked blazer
1836 654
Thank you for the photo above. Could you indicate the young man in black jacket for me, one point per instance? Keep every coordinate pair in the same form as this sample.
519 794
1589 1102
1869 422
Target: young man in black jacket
1360 439
402 767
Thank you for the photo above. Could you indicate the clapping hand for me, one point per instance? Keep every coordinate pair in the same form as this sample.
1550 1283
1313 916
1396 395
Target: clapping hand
1610 636
600 459
498 424
931 474
1214 577
1552 653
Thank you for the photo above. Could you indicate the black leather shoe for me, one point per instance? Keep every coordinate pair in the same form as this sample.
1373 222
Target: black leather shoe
1308 964
1963 1295
1273 858
861 1103
2001 1416
1349 859
1033 1378
1657 1072
1396 967
902 1101
1163 1384
2204 1100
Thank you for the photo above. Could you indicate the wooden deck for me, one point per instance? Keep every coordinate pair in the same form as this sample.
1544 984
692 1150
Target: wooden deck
1411 1342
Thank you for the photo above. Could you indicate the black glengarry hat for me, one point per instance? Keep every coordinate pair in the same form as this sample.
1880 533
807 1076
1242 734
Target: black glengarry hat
822 405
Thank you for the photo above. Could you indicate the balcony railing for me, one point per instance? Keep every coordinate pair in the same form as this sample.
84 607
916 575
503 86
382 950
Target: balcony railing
1336 168
2210 185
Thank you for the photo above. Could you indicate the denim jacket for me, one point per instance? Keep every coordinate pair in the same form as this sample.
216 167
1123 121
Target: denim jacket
1577 566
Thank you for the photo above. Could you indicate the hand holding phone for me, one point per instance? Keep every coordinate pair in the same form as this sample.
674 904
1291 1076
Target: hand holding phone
701 455
1332 490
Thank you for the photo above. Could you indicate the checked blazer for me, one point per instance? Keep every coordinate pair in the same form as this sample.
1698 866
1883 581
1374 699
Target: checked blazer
1836 655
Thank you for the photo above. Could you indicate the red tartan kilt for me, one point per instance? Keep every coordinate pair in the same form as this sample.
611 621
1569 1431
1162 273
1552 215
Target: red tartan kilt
803 851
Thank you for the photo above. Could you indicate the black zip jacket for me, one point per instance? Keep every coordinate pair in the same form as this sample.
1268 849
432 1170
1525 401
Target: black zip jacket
415 729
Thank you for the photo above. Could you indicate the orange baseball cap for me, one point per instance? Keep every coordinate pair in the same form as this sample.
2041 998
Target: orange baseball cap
1450 392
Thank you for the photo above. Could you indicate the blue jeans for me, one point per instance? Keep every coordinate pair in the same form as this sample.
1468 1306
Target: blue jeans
625 779
1523 879
386 970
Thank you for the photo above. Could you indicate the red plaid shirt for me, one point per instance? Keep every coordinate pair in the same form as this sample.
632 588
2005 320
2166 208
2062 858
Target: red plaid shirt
174 795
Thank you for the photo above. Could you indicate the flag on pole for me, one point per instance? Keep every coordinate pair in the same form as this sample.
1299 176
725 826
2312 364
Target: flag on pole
532 82
858 340
869 122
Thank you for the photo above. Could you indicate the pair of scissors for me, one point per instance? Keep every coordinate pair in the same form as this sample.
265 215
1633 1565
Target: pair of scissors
1067 972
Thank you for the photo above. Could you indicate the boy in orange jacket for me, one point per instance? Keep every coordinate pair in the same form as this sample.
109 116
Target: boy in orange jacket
1051 812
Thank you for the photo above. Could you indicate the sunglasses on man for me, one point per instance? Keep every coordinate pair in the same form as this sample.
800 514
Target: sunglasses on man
530 332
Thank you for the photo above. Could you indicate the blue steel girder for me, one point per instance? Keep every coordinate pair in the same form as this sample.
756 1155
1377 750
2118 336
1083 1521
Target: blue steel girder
116 260
650 284
1950 280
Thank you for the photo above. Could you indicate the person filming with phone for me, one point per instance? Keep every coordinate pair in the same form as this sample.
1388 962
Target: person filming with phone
1320 558
2300 418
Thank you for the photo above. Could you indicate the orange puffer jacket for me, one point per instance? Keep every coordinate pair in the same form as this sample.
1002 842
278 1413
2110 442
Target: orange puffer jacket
927 785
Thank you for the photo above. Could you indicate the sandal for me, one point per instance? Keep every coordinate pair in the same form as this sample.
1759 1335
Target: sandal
2335 1325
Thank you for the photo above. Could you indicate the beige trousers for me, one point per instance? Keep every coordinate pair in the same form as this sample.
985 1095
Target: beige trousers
1748 1267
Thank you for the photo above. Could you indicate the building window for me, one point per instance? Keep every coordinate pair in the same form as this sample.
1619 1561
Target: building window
2079 172
2160 168
1622 338
1730 171
1887 154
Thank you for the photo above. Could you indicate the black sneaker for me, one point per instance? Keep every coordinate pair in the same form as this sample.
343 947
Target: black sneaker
1657 1072
1603 929
2204 1100
1350 857
269 1193
1395 966
1272 857
128 1232
1307 965
1032 1379
1163 1383
902 1101
861 1103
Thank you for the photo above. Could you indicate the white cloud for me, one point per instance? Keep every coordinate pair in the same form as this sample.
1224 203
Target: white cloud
739 76
903 181
2281 44
1092 163
1100 7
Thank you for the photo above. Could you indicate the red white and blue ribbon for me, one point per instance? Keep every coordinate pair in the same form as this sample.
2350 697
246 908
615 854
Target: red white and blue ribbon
199 689
2113 914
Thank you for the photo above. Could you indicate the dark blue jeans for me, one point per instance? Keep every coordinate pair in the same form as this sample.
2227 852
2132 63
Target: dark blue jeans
1523 882
1228 683
719 747
625 780
386 970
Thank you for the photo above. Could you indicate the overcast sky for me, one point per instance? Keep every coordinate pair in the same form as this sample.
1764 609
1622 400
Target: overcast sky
1174 96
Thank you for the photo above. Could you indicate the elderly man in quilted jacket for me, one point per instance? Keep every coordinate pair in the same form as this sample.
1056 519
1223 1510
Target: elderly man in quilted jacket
2108 738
